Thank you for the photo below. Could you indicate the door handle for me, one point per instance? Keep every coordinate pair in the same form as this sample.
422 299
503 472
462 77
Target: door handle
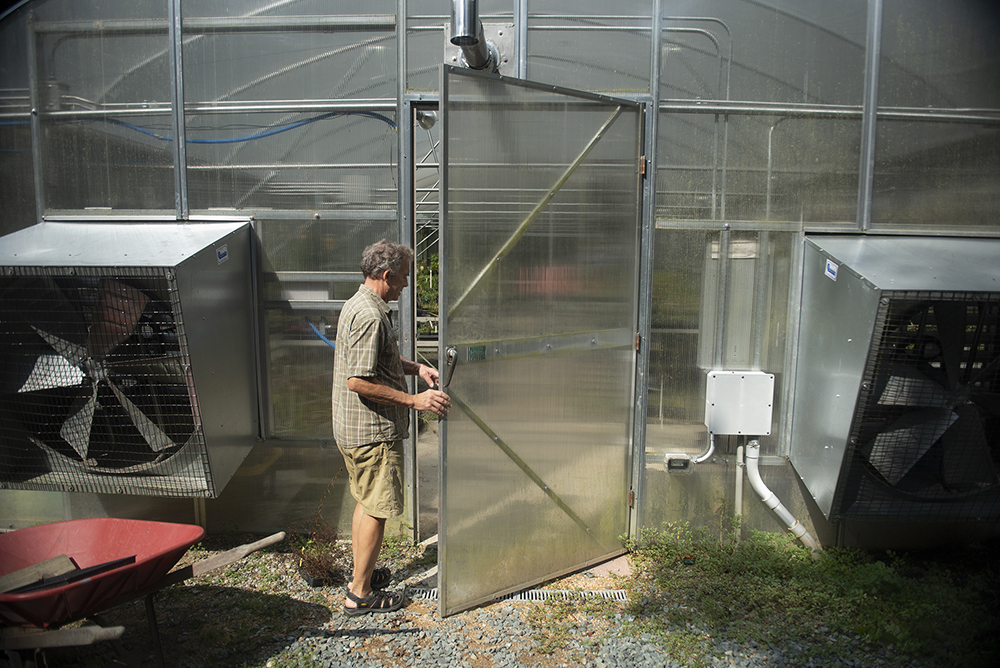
452 355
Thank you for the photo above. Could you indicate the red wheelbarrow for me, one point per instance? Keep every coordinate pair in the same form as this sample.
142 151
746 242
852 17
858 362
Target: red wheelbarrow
54 574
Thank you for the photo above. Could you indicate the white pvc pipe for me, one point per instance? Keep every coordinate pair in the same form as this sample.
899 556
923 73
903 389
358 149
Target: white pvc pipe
708 453
738 502
772 502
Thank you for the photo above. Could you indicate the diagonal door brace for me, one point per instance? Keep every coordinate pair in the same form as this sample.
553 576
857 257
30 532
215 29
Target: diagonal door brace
521 464
526 223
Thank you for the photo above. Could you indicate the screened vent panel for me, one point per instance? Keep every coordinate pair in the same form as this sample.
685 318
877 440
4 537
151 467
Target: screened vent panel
95 383
927 433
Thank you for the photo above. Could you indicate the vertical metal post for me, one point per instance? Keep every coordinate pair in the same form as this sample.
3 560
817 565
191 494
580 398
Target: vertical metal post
443 301
521 26
34 88
174 36
869 114
646 258
762 277
720 302
407 237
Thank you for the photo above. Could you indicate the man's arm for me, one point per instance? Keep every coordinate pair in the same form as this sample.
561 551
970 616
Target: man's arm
430 400
428 373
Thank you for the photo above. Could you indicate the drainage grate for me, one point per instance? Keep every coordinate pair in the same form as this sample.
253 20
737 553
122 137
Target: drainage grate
431 594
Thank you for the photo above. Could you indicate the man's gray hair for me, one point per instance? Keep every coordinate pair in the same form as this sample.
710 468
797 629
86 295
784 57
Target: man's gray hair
383 255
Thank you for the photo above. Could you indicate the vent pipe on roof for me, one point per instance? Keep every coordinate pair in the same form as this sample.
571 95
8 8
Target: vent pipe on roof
467 34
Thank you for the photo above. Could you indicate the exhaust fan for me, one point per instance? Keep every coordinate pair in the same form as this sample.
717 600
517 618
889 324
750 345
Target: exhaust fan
896 412
126 357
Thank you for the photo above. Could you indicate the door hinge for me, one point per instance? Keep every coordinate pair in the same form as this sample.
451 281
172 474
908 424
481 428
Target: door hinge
638 338
631 499
642 165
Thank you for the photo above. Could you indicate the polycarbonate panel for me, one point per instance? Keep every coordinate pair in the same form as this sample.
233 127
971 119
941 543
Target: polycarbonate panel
311 269
564 39
255 53
424 52
937 160
939 55
298 8
293 161
936 175
540 220
241 61
17 196
105 93
692 309
808 51
791 168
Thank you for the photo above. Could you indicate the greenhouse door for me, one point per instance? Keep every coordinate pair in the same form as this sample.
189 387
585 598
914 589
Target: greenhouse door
540 214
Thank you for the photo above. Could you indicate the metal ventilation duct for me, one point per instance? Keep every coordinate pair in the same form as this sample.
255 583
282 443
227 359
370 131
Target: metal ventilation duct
127 360
467 34
896 412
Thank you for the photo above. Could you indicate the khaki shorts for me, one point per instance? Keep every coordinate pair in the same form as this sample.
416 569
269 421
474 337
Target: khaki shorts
376 475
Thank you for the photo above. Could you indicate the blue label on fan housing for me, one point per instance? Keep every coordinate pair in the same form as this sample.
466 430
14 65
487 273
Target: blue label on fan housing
222 253
831 270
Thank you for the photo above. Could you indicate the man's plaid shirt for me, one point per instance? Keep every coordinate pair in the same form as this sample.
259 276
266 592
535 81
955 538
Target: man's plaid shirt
367 347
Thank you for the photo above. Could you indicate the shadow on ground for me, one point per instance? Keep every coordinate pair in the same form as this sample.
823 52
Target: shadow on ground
199 626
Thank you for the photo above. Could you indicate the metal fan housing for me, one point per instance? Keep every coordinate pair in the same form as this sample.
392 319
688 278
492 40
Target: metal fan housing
896 399
127 357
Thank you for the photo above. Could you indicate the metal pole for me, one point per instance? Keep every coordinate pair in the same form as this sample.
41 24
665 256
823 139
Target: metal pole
762 277
407 305
866 171
177 109
36 121
521 25
646 264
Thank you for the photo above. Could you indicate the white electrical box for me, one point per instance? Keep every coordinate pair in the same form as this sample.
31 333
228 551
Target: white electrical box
739 402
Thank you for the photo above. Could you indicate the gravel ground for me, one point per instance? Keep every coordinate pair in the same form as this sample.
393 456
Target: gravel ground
260 612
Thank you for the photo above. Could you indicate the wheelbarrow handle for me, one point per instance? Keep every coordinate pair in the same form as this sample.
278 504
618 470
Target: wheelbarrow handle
194 570
218 561
233 555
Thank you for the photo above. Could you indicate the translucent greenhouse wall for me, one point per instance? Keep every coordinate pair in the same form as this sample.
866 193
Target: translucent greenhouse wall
774 120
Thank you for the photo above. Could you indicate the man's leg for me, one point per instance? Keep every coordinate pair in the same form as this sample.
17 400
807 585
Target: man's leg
366 543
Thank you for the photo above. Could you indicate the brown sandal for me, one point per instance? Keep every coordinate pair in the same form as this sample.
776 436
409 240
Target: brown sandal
377 601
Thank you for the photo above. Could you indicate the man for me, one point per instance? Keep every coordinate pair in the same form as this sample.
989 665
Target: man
371 416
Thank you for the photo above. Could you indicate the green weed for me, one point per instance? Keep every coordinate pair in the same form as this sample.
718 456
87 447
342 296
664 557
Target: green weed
691 587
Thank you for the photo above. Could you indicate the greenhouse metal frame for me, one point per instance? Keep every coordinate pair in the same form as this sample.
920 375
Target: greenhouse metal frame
658 248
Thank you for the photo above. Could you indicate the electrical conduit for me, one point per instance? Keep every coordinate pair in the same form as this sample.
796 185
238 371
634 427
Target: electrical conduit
772 502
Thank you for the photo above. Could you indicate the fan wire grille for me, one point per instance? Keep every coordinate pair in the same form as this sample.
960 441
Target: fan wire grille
97 390
925 441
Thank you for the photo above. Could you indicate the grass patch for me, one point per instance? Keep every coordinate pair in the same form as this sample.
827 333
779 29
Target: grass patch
691 589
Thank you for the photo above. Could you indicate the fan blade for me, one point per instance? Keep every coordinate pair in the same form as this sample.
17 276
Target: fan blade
154 435
908 387
988 401
896 449
951 320
968 460
50 372
157 370
118 313
71 351
76 428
